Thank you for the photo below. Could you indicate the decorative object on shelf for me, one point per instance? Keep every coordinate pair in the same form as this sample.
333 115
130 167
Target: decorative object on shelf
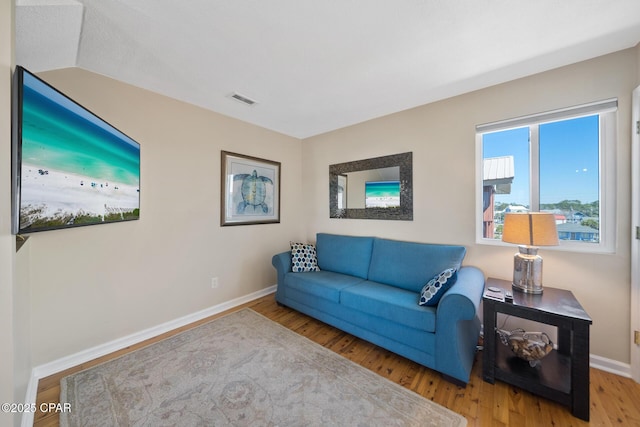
250 190
530 346
528 231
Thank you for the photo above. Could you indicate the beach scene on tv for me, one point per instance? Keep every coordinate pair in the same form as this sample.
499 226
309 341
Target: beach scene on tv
75 169
382 194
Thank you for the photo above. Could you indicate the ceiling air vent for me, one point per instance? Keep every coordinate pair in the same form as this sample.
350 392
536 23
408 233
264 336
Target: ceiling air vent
243 99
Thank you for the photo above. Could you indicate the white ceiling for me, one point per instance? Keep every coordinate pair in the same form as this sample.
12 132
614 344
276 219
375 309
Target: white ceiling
316 66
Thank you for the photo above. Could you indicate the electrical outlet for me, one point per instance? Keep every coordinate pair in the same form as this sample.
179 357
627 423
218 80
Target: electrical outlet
214 282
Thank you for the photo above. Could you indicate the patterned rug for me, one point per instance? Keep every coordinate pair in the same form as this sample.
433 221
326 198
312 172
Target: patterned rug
243 370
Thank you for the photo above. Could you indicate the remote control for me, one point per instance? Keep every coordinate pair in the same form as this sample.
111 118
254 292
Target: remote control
494 293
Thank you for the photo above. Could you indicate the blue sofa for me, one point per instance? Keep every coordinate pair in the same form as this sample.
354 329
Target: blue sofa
370 287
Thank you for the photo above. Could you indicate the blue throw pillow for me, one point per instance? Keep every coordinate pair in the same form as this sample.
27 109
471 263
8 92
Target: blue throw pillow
436 287
303 258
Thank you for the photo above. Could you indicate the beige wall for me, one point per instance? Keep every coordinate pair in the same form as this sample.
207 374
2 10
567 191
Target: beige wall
94 284
442 138
6 243
15 357
638 63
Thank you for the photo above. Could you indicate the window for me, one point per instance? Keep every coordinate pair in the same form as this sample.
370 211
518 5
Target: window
562 162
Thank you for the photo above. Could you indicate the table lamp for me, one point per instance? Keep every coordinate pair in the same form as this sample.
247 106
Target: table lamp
528 231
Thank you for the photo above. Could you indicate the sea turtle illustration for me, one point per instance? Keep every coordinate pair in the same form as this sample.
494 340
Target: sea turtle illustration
253 190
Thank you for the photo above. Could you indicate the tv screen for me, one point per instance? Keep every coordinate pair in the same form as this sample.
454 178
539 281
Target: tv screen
70 167
382 194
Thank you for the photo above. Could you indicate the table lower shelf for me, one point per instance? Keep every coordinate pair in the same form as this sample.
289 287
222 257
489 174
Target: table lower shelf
551 378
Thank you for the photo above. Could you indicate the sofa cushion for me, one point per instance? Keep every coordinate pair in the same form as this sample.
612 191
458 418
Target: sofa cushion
436 287
344 254
410 265
303 258
391 303
323 284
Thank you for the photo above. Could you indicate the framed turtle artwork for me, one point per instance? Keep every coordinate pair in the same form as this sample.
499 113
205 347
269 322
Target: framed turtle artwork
250 190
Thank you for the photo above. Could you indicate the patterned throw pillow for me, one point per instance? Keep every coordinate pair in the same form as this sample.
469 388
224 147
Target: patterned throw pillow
436 287
303 258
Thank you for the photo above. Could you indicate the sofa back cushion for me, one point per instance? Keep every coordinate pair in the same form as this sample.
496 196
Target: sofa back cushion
410 265
344 254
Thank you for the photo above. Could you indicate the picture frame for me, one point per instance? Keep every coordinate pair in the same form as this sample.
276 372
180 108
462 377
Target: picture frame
250 190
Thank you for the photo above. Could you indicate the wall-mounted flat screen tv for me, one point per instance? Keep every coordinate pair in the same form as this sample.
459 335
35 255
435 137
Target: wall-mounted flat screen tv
382 194
70 167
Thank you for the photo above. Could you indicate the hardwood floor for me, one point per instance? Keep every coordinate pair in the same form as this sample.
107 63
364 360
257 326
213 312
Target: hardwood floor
614 400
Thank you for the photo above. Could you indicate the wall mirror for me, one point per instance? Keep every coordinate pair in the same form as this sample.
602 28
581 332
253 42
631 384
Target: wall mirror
378 188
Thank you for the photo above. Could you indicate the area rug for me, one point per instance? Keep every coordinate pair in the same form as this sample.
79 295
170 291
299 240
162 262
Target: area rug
242 370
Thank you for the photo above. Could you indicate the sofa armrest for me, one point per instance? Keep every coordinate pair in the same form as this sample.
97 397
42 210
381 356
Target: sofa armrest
462 301
458 324
282 264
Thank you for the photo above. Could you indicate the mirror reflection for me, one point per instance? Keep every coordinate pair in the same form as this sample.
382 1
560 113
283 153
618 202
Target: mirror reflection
377 188
374 188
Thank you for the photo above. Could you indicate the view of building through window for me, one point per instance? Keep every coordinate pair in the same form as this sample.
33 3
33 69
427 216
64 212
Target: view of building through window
550 167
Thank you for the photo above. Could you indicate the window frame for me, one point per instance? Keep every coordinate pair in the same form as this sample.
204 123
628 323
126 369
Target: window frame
607 112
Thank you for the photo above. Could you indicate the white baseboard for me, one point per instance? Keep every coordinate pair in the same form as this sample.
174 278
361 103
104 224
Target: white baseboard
72 360
610 365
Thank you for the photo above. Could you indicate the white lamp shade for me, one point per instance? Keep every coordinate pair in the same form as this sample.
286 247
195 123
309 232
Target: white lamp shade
532 229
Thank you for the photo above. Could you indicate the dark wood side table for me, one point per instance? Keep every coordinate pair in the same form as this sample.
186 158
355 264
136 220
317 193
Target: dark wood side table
563 375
